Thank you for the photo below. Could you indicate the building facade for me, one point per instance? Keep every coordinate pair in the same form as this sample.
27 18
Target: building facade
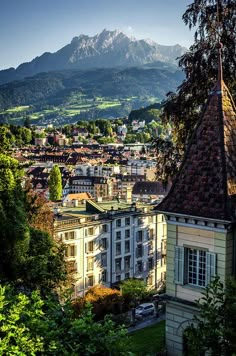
106 247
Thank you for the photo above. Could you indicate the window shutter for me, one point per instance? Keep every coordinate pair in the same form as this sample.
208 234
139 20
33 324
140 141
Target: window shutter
86 247
210 266
179 264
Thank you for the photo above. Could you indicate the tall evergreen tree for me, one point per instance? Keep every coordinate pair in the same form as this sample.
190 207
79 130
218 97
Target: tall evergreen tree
55 184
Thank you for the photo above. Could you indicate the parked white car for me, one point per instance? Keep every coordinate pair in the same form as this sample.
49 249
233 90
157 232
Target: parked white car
144 310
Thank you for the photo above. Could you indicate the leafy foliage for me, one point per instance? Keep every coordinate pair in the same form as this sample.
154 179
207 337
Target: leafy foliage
104 301
54 88
29 325
168 159
200 64
55 184
214 329
134 289
28 256
44 265
39 214
151 112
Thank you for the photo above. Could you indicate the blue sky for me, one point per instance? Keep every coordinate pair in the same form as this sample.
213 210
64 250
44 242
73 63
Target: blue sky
29 28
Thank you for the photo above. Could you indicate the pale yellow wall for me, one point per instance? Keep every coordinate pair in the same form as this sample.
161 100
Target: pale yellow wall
220 243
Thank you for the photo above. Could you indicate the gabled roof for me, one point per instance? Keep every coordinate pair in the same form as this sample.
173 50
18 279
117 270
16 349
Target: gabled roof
205 185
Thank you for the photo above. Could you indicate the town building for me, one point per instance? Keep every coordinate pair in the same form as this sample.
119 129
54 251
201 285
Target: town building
200 212
98 187
108 242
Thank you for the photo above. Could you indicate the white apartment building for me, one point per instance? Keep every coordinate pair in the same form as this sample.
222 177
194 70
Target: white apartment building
108 246
96 170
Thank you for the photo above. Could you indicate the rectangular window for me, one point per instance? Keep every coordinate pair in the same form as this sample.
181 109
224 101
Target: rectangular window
127 263
103 259
150 264
90 263
139 236
118 278
127 275
103 244
199 266
118 265
104 276
70 251
89 247
90 281
118 223
127 246
127 221
127 233
139 251
90 231
139 267
118 235
118 248
196 260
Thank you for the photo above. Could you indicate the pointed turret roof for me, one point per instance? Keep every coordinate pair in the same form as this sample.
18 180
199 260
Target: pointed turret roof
205 185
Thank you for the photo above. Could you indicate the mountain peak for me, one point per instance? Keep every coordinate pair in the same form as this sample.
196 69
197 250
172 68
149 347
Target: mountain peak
104 50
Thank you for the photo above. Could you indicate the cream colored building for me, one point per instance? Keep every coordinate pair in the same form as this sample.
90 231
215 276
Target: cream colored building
109 242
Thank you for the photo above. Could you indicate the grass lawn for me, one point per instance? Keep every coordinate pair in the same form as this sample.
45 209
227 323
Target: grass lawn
148 341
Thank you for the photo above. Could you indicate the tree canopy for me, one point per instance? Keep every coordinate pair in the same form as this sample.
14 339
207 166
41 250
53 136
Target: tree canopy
28 257
55 184
30 325
200 65
213 330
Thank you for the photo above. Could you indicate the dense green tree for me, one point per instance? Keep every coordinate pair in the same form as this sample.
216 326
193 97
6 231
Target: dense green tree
28 256
40 216
213 330
168 159
55 184
134 289
4 139
105 140
14 241
32 326
104 126
200 65
44 267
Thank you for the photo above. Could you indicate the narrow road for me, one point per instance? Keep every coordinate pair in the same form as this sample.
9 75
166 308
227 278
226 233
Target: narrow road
148 321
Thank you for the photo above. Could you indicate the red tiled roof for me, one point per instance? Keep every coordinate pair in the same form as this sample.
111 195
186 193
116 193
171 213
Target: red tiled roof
205 185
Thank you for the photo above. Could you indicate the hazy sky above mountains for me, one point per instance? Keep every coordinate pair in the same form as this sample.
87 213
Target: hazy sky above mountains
31 27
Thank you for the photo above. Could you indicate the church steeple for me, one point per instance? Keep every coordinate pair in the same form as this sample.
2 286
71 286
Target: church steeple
205 185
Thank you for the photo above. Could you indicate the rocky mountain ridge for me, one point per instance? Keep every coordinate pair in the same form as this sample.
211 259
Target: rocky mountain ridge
105 50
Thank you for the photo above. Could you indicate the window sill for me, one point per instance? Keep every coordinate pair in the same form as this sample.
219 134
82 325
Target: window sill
192 287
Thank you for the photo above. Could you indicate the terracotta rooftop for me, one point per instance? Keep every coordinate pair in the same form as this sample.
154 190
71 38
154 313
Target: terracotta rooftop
205 185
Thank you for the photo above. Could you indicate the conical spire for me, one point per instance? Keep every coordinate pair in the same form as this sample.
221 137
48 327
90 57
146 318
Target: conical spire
205 185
